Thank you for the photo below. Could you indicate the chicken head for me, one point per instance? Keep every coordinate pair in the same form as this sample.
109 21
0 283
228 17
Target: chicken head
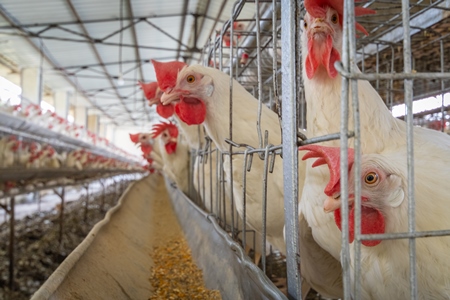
169 135
380 189
322 34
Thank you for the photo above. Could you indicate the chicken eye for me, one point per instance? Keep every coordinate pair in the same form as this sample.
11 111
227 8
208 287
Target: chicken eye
334 18
305 24
190 79
371 178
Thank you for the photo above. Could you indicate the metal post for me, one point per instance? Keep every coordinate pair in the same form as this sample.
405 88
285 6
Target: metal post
61 214
345 252
11 243
115 189
290 12
87 202
410 146
102 205
357 146
39 202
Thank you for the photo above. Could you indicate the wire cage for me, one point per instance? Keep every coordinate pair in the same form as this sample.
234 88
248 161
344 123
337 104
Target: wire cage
404 57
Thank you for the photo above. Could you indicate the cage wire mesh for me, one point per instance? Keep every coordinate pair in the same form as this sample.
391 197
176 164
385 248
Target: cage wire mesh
405 57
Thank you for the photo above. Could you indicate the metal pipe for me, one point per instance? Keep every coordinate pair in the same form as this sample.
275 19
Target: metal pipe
290 66
102 205
357 146
408 85
259 71
396 76
345 252
86 207
264 207
61 214
11 242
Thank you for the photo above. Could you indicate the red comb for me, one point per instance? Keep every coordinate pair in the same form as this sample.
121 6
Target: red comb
149 89
316 8
167 73
330 156
134 137
160 127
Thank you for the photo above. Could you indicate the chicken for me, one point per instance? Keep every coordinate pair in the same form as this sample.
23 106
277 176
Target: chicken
175 153
205 166
145 141
238 27
49 158
203 95
384 209
153 93
380 133
72 159
9 146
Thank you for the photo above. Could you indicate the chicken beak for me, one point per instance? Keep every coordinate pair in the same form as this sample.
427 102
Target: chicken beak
153 101
319 25
331 204
169 97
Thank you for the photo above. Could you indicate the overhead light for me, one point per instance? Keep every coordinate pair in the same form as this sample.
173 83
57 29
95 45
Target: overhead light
120 80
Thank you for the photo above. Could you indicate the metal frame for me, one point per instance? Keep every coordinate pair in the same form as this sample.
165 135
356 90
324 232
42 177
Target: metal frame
293 111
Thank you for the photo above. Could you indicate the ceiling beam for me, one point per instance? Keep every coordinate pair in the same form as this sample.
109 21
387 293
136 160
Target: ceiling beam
89 41
166 34
133 61
99 58
219 14
91 21
183 23
16 24
197 29
138 58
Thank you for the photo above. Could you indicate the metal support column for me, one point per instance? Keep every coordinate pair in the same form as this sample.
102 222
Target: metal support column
86 207
290 11
11 243
61 213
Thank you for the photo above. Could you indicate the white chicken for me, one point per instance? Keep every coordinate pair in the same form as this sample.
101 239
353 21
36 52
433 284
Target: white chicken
203 94
384 209
9 146
145 142
205 166
175 153
380 133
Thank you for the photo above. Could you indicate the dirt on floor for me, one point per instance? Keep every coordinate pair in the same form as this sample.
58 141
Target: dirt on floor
37 249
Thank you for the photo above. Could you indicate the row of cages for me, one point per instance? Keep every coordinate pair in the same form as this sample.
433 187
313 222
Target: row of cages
352 206
19 212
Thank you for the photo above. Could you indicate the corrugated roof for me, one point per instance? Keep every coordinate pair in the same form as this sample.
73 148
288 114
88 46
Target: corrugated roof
81 46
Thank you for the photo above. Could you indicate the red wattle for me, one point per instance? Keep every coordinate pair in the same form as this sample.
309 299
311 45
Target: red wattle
372 222
192 112
171 147
311 63
331 55
165 111
146 149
